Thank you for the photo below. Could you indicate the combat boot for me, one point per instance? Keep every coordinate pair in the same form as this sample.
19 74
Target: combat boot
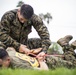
73 44
65 40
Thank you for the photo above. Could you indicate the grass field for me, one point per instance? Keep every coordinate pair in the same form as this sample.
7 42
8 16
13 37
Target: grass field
59 71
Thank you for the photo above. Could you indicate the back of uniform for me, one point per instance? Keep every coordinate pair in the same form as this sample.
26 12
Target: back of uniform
16 62
19 60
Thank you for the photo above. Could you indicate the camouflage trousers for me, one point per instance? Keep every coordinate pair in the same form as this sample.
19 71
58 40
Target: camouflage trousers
31 43
69 54
56 62
34 43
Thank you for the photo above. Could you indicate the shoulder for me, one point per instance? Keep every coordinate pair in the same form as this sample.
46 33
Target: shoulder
9 14
36 18
11 51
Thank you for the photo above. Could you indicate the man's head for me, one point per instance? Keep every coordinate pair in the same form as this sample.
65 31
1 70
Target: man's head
4 58
25 13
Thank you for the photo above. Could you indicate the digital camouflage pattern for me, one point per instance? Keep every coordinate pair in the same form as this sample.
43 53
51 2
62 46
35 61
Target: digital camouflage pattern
13 33
69 54
68 49
52 61
16 62
56 62
69 60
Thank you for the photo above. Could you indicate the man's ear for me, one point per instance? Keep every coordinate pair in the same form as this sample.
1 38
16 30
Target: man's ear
18 12
9 59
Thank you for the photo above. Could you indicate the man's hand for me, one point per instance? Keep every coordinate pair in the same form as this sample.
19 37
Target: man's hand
36 51
24 49
41 56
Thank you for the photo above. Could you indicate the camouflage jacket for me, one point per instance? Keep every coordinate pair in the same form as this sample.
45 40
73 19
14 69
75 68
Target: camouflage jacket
13 33
16 62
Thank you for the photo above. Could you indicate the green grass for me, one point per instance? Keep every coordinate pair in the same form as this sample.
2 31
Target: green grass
58 71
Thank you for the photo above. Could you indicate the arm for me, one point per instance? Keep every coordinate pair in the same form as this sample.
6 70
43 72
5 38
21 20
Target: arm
5 31
43 66
42 32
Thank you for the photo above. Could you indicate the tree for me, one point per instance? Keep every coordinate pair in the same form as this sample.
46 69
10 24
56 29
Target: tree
20 3
46 17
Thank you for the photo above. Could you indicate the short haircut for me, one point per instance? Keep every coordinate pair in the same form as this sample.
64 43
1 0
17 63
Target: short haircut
26 11
3 54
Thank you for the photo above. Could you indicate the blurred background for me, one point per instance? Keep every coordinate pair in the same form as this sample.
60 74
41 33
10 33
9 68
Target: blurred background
58 15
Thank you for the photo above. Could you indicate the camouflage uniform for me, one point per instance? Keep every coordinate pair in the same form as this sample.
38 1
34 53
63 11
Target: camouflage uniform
68 49
69 54
16 62
52 61
13 33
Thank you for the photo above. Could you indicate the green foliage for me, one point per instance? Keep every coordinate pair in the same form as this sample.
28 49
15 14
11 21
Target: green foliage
55 49
58 71
20 3
46 17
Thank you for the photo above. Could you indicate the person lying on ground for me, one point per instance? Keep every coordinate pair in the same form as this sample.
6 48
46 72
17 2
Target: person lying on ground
13 59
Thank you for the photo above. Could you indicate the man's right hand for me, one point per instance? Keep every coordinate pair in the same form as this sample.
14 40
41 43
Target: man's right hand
24 49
